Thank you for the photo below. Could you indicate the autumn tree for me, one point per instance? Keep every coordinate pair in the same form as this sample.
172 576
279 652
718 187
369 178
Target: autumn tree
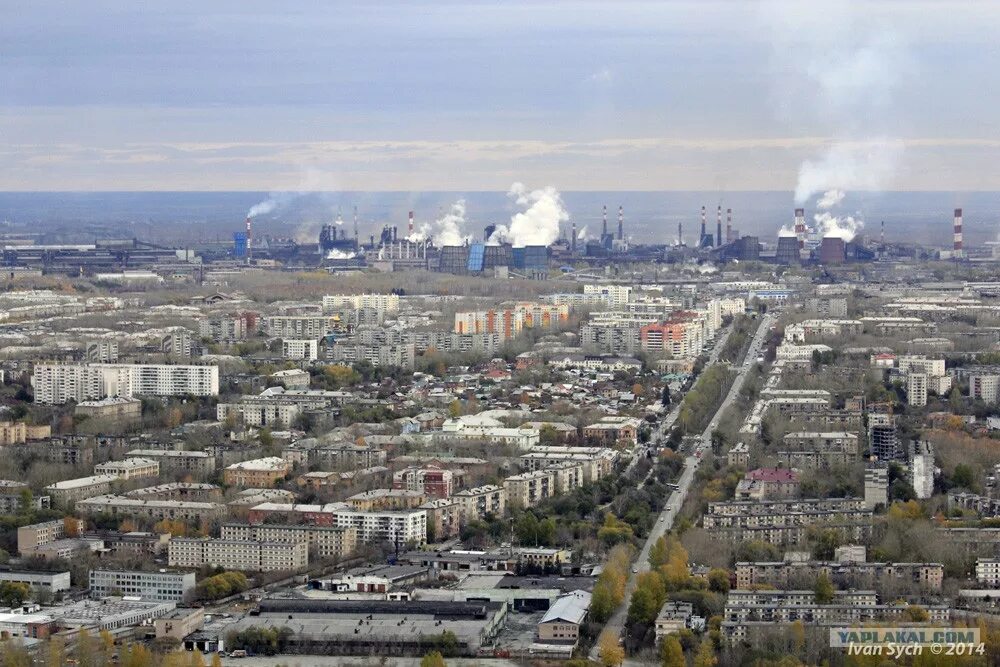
706 655
671 652
432 659
610 651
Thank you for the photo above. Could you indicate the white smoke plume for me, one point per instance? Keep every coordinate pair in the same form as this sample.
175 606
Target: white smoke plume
340 254
866 165
830 199
263 208
448 230
582 235
539 223
786 231
843 227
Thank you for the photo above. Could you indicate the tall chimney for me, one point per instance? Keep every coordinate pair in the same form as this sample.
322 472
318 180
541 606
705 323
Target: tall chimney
621 223
729 225
572 238
718 226
800 227
958 251
249 238
881 240
409 228
604 224
702 237
394 233
680 233
355 224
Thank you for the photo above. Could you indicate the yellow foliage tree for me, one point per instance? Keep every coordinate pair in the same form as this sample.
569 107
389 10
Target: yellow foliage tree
610 650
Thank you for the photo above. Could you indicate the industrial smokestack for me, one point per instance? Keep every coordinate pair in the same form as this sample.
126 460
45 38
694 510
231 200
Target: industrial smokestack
572 238
621 223
680 233
881 240
718 226
249 238
958 251
800 227
355 224
702 237
604 222
394 233
409 228
729 225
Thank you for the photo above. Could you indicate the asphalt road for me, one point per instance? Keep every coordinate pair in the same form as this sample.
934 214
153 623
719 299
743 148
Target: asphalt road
665 521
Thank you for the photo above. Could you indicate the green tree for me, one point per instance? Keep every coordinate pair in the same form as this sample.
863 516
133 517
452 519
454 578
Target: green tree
718 580
432 659
964 476
823 589
671 652
706 655
665 396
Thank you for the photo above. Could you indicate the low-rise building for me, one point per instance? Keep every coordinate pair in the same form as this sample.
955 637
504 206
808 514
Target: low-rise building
159 585
72 490
131 468
480 501
325 542
152 510
178 461
562 621
53 582
180 623
768 484
257 473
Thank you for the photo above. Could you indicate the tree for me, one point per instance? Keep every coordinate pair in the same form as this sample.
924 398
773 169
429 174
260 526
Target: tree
718 580
671 652
823 589
917 614
665 396
964 477
610 651
706 655
13 593
432 659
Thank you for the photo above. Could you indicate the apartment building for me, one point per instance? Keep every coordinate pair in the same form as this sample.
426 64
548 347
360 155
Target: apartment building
257 473
386 499
616 295
530 488
13 433
683 335
768 484
346 457
131 468
611 337
984 387
786 574
13 497
229 328
245 555
788 521
507 323
55 384
444 517
813 329
818 449
325 542
384 303
431 481
71 490
299 327
401 355
118 409
31 537
614 431
304 350
158 585
151 510
596 462
481 501
916 389
393 526
174 460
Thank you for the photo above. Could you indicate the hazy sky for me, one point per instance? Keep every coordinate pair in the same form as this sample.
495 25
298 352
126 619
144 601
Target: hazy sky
475 95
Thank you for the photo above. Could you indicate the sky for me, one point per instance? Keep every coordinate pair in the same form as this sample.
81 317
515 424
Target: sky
410 96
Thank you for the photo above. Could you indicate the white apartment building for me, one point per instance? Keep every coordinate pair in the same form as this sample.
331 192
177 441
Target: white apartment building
298 327
300 349
132 468
916 389
985 387
921 364
246 555
56 384
161 585
617 295
384 303
400 527
988 571
477 502
324 541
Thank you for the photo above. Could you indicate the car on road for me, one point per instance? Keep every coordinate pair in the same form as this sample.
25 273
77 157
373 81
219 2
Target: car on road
634 569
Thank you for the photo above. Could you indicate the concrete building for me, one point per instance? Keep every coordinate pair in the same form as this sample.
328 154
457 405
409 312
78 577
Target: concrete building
612 431
305 350
876 486
431 481
299 327
159 585
31 537
401 527
246 555
131 468
120 410
562 621
530 488
325 542
152 510
55 384
180 623
922 469
53 582
13 433
768 484
985 388
481 501
257 473
71 490
916 389
843 574
615 295
788 521
199 464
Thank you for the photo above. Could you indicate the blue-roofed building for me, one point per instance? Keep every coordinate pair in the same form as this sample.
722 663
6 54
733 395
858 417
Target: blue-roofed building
477 253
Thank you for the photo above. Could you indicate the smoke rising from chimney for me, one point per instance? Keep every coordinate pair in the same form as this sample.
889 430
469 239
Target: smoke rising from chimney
539 223
448 230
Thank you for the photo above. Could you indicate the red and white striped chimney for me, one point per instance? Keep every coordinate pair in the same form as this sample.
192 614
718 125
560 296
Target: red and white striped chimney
800 227
410 225
702 226
958 232
729 225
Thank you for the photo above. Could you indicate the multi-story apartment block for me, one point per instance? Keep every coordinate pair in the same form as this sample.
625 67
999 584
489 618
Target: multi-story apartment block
768 484
152 510
386 499
12 433
55 384
926 577
306 350
444 517
325 542
431 481
346 457
596 462
481 501
299 327
257 473
102 351
616 295
400 355
984 387
229 329
131 468
385 303
71 490
176 460
818 449
916 389
177 343
788 521
397 527
680 336
117 409
158 585
613 431
530 488
31 537
611 337
246 555
507 323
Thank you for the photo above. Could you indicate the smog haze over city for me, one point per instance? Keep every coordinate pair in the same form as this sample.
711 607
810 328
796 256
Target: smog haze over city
460 333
